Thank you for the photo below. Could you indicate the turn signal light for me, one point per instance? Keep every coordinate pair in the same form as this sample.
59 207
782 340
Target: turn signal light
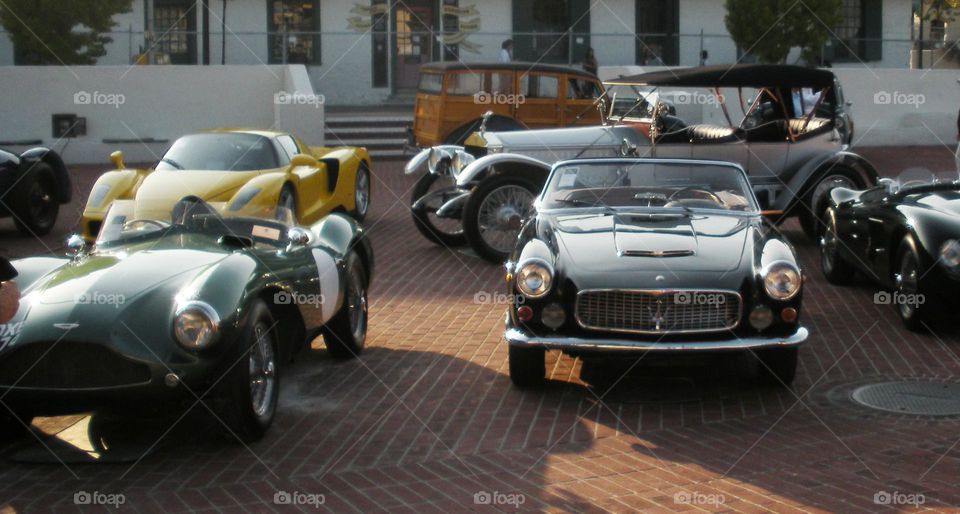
788 315
525 313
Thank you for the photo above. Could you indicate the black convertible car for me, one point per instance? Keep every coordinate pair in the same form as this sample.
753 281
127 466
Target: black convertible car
33 185
648 255
903 235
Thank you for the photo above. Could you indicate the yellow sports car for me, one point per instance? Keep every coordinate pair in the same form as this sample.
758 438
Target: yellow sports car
239 172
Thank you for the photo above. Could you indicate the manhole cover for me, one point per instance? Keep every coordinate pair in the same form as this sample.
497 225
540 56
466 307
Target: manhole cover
916 398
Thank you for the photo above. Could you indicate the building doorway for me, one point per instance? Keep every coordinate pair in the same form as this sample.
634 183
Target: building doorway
413 41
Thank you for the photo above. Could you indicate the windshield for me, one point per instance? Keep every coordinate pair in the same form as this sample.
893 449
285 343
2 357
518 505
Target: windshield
914 178
220 152
192 215
648 184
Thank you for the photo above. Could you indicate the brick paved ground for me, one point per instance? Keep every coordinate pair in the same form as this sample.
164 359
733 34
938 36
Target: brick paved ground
427 419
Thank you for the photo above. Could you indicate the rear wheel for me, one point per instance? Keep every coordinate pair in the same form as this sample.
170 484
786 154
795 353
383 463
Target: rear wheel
811 218
835 269
527 368
35 203
442 231
250 390
777 366
361 194
495 213
346 334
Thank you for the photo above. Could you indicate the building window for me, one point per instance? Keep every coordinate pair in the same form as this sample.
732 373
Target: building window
294 27
658 23
543 28
175 24
858 36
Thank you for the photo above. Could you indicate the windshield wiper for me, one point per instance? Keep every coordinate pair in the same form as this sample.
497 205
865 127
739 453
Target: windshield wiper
173 163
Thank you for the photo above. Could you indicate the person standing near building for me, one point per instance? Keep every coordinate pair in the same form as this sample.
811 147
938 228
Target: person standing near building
590 64
9 293
506 51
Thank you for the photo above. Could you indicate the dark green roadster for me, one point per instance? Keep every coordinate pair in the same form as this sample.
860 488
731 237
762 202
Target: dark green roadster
193 308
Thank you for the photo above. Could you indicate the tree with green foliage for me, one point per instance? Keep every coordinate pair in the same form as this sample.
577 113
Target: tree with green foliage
769 29
60 32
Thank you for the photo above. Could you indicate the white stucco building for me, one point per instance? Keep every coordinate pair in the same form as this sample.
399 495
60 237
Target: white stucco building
365 51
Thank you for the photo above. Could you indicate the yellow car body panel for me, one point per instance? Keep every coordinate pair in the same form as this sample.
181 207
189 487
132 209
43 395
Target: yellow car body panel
246 193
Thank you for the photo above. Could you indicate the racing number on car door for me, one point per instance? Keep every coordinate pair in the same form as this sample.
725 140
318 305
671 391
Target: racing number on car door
540 105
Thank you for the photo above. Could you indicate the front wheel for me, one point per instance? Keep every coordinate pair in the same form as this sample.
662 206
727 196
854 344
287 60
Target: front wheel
777 366
35 204
13 424
527 366
446 232
346 334
909 300
287 202
835 269
249 392
811 219
495 213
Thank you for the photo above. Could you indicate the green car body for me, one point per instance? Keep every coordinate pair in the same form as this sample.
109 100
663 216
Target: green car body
97 329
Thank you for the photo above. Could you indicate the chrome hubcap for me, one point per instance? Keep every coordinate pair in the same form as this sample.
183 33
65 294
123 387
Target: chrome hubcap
501 215
263 367
362 198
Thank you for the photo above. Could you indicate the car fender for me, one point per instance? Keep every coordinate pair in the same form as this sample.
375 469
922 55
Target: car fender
343 163
476 170
118 185
340 235
52 159
32 269
814 169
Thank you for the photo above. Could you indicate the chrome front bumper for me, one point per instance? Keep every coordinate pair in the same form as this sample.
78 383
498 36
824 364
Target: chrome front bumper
517 337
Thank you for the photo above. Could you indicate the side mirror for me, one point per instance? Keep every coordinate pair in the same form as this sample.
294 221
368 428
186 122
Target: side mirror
303 160
76 246
117 159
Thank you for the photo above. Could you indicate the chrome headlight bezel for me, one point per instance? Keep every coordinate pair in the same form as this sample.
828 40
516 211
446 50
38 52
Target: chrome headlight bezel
461 160
781 269
534 268
437 158
199 311
949 256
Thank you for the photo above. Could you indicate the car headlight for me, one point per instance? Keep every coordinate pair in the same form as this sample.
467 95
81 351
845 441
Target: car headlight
781 280
195 325
950 254
243 198
534 279
460 160
98 195
438 159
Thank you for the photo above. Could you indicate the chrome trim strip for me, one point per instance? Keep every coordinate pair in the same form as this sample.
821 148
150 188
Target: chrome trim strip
660 292
517 337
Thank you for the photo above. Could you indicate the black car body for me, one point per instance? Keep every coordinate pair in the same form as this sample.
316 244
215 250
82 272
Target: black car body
903 235
677 277
33 185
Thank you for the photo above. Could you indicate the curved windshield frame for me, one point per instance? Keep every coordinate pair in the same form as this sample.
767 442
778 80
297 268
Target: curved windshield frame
660 185
922 178
216 151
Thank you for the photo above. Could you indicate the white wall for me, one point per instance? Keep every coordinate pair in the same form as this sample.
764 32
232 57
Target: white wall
618 18
159 102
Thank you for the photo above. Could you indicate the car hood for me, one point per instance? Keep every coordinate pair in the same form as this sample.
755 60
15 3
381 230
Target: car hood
161 190
92 296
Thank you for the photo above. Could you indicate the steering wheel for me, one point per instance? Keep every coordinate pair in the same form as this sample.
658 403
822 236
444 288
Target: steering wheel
159 224
711 195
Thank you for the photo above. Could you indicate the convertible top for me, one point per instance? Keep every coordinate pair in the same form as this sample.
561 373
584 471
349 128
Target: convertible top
741 75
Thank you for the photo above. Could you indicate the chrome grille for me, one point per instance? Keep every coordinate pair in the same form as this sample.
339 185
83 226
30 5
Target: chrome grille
658 311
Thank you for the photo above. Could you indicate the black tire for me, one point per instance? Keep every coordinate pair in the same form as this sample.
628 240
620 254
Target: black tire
912 314
509 222
35 202
248 410
777 366
13 424
443 235
818 198
288 199
527 366
346 334
836 270
361 193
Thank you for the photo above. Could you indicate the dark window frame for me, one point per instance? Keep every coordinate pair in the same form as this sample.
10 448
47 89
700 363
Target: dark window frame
274 34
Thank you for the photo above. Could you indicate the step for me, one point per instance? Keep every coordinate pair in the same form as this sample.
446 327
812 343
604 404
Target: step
368 121
373 143
366 132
